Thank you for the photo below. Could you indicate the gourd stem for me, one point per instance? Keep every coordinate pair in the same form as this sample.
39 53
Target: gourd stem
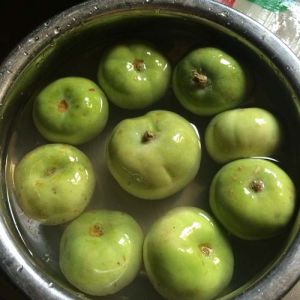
200 79
138 64
257 186
205 249
147 136
63 106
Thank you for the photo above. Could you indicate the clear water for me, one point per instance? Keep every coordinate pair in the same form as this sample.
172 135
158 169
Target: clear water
81 58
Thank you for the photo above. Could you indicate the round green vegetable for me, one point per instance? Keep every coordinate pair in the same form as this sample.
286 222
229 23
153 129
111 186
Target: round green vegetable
101 252
70 110
134 75
241 133
155 155
253 198
207 81
54 183
186 256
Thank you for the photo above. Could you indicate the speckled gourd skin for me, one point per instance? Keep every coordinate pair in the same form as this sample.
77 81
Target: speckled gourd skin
70 110
242 133
157 168
101 251
187 256
226 84
54 183
134 75
253 198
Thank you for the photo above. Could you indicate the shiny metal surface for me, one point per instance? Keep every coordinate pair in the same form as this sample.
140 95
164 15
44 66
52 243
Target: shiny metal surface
28 252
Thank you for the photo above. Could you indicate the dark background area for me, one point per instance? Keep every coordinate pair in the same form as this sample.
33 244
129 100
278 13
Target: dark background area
20 17
17 19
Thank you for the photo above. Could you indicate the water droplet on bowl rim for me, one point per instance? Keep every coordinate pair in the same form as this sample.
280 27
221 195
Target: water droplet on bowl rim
46 257
57 30
20 269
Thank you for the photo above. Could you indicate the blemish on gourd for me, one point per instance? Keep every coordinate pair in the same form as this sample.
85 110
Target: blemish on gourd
50 171
257 169
96 230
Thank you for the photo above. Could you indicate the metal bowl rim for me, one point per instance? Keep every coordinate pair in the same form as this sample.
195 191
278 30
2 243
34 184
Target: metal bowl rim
30 278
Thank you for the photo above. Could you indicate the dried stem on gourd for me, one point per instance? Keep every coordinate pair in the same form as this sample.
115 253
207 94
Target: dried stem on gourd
200 79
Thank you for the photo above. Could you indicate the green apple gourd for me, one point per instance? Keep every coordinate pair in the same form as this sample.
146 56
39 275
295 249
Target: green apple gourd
54 183
187 256
101 251
253 198
70 110
134 75
207 81
241 133
155 155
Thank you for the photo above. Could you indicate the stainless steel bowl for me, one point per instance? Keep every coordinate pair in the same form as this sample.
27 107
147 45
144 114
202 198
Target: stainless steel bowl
70 44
